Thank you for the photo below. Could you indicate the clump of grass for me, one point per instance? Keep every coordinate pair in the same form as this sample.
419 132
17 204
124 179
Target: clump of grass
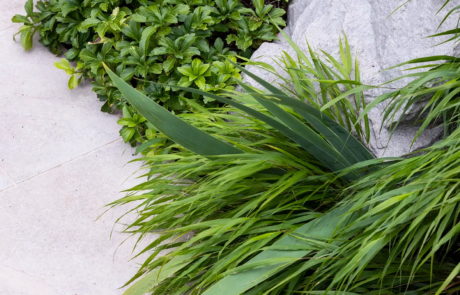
234 206
298 206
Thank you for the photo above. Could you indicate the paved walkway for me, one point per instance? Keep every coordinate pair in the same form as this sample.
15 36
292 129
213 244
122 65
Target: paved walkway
61 161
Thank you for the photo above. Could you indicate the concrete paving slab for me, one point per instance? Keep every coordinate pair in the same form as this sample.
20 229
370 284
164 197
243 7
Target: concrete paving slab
13 281
39 134
43 124
9 8
5 181
33 73
61 161
49 233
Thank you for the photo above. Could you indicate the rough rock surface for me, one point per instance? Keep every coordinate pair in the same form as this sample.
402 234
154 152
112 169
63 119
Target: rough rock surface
378 41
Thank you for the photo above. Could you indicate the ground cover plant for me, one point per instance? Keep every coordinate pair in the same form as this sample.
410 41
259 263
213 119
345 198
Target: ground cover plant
274 192
270 199
177 42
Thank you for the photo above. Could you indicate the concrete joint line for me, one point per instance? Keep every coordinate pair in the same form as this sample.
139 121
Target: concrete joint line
65 163
33 275
7 175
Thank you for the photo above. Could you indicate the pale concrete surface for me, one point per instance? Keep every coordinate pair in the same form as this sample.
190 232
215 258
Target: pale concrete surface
14 281
49 228
10 8
61 161
5 181
43 123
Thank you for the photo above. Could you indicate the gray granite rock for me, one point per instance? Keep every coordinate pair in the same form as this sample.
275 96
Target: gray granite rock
379 42
268 53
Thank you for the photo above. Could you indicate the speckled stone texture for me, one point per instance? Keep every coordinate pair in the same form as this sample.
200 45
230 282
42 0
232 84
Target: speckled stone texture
379 42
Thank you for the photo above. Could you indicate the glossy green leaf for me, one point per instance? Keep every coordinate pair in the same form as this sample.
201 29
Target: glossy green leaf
177 130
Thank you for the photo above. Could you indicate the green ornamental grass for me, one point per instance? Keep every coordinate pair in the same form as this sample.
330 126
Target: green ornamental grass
253 175
268 191
329 224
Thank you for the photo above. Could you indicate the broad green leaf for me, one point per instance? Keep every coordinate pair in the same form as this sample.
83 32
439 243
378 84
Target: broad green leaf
185 70
73 82
127 122
63 64
27 35
127 133
145 39
200 82
29 7
72 53
169 64
177 130
324 227
87 23
21 19
146 283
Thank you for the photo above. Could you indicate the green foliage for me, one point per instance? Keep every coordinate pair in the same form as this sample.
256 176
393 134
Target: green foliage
236 201
272 219
410 208
256 25
343 101
181 132
176 42
267 192
76 74
195 73
232 205
439 85
132 123
396 231
30 20
337 150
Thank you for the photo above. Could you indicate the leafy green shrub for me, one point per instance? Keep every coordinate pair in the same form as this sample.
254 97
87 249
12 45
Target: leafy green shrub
176 42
